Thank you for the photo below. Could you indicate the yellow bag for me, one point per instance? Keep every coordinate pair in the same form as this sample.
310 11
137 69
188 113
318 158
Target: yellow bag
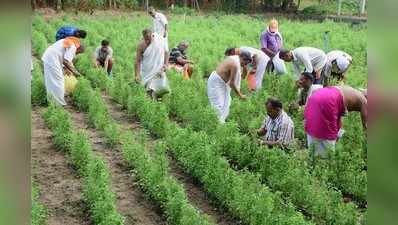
70 84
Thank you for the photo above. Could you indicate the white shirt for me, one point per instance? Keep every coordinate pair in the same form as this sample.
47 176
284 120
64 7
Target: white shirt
254 51
159 23
313 59
56 53
333 55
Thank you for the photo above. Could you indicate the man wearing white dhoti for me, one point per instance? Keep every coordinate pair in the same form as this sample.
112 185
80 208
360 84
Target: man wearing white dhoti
259 62
151 63
59 54
160 24
220 82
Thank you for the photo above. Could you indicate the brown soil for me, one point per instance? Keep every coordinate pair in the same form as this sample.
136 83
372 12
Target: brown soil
131 201
60 188
195 192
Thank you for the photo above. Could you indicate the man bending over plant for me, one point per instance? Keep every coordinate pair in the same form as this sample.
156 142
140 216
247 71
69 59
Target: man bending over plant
258 65
179 60
220 82
323 116
57 57
277 128
151 64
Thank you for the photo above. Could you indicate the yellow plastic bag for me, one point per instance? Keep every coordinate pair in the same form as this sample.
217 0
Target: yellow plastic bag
70 84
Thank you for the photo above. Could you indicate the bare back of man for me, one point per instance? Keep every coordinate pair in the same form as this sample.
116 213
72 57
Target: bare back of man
355 100
227 70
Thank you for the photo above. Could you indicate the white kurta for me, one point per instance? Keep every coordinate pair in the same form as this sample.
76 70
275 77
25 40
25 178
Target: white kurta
219 94
159 26
262 60
53 73
153 60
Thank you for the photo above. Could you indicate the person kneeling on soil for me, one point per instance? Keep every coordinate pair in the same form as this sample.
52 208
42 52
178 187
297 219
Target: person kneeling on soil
151 64
277 128
103 57
179 60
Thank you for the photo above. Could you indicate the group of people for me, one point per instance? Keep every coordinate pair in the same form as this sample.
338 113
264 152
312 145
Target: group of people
324 105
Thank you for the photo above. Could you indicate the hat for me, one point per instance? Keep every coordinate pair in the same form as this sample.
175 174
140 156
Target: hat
342 63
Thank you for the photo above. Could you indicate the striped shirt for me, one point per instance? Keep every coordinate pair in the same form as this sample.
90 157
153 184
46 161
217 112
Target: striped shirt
280 129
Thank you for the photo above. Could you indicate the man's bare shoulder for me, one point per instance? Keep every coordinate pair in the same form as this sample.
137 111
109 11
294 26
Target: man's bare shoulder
141 45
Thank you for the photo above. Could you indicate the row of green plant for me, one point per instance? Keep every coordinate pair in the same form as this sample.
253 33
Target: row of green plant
344 169
277 169
96 178
157 121
239 191
186 104
152 170
37 88
236 192
38 210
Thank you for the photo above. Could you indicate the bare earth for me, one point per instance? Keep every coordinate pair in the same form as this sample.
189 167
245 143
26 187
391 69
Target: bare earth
131 201
60 188
196 194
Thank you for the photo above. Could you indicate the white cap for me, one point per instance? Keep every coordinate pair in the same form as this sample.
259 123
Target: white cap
342 63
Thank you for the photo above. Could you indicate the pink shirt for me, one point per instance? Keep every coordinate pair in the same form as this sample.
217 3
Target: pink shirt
323 112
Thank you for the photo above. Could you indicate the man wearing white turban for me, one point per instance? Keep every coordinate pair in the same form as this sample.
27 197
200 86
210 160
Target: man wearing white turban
338 63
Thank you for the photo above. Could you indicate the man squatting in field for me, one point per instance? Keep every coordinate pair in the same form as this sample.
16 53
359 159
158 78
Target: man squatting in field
179 60
220 82
103 56
151 62
323 115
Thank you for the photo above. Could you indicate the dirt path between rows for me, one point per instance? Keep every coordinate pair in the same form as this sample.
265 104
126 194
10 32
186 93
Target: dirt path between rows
195 192
131 201
60 188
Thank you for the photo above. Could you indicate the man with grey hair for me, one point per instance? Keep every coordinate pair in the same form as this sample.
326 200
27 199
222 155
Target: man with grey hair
160 24
226 76
151 64
179 60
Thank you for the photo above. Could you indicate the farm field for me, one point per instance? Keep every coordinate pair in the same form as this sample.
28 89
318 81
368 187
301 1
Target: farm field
113 156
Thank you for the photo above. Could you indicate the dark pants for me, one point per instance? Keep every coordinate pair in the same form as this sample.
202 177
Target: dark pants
110 64
323 79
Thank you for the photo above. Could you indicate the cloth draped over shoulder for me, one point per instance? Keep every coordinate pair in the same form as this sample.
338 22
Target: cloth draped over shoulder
69 41
153 61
